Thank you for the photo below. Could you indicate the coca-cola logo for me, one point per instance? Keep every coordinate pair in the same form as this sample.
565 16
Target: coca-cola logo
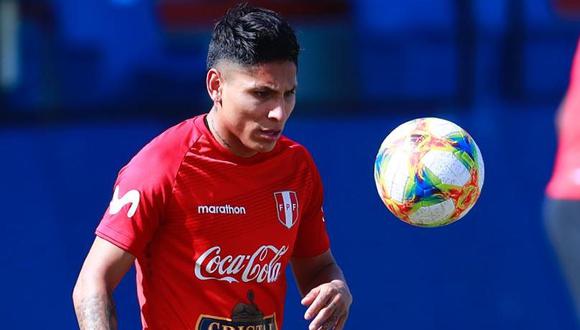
264 265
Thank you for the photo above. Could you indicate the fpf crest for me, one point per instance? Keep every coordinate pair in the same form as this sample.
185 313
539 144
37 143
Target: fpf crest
286 207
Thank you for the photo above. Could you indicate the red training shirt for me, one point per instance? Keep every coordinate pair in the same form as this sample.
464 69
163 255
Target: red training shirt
213 232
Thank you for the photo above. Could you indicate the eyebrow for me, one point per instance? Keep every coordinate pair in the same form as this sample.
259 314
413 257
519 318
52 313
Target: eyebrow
270 88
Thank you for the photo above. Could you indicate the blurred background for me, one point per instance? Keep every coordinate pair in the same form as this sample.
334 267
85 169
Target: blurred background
85 84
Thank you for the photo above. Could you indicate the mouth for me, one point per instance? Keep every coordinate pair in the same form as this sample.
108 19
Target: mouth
270 134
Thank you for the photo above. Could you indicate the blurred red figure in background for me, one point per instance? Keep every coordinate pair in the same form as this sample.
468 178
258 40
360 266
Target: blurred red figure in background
562 207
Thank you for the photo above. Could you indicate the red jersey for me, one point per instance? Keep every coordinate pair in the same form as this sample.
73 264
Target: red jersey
212 232
565 182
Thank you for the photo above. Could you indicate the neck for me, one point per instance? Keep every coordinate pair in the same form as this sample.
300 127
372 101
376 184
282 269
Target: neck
212 128
222 138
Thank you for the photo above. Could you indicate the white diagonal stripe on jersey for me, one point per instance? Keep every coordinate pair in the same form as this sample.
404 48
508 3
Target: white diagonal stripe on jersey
287 208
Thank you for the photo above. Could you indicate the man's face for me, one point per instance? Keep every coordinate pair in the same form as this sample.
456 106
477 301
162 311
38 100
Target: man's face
255 102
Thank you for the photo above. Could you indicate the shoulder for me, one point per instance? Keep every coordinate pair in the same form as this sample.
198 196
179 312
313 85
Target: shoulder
161 157
298 153
290 146
174 140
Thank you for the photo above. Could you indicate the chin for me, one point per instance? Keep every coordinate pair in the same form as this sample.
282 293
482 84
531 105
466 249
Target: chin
264 147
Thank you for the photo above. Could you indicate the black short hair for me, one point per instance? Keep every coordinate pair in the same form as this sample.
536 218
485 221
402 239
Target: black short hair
249 35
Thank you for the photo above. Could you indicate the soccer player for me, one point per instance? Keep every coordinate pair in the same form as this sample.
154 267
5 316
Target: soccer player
562 206
213 210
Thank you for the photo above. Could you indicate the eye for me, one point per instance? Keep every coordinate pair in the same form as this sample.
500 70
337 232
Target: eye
290 93
261 94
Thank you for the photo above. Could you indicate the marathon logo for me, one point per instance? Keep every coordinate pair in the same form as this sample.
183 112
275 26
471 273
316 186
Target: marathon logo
221 209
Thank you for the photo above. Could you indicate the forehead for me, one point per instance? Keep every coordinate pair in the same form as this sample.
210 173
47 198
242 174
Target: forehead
276 75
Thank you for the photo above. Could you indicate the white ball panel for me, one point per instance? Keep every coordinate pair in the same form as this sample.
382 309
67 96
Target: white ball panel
398 133
441 128
434 213
446 167
396 175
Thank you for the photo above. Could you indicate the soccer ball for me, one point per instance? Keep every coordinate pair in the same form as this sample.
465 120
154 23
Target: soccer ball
429 172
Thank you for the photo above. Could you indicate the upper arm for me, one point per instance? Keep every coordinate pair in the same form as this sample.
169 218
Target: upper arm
105 265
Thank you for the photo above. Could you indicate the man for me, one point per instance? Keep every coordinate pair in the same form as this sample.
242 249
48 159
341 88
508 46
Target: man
212 211
562 204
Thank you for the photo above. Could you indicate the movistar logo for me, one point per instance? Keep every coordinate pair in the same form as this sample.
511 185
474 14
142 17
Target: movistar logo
220 209
131 197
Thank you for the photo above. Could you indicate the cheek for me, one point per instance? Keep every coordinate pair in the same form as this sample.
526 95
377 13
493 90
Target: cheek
246 106
237 101
290 107
238 108
248 116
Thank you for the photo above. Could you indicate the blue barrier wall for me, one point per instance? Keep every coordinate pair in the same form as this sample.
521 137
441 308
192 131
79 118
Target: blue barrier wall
491 270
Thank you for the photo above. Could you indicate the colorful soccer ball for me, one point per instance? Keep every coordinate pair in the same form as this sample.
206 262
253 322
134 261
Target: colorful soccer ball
429 172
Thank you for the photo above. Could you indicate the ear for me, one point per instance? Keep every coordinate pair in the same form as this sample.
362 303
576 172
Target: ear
213 82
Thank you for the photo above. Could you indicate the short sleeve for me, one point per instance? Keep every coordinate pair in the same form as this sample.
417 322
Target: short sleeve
312 238
143 188
135 210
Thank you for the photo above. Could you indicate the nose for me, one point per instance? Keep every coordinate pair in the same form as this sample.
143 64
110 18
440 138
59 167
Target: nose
277 113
